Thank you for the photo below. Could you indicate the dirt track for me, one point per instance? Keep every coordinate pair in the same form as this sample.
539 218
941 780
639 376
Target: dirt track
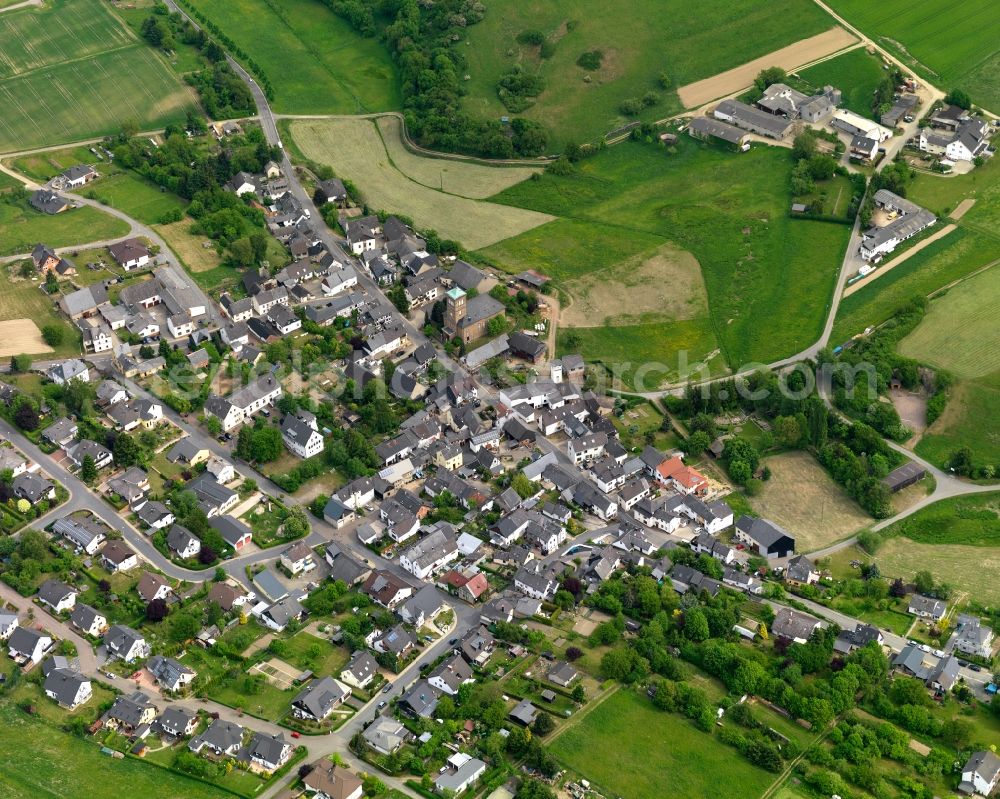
789 58
21 336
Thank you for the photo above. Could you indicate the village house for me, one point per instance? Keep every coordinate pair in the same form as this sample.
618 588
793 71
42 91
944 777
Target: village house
68 688
126 644
28 646
319 699
764 537
980 774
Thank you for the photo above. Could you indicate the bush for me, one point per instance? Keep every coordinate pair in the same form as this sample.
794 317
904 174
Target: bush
590 60
52 335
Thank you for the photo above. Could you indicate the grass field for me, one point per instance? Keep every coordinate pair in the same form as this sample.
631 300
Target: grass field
963 53
669 745
22 227
355 150
464 178
682 41
969 420
855 73
967 568
960 331
970 521
73 70
802 498
665 283
315 61
23 299
189 247
134 195
769 278
83 773
955 256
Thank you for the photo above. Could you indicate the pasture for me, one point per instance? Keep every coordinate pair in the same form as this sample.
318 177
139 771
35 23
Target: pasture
802 498
963 53
856 73
696 763
22 227
464 178
84 773
962 423
355 150
960 331
682 42
940 264
769 278
72 71
314 60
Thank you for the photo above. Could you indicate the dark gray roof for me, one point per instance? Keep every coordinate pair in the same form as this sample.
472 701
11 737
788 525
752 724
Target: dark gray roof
320 697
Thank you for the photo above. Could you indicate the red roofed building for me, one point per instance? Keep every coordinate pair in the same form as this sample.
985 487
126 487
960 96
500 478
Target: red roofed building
683 478
468 588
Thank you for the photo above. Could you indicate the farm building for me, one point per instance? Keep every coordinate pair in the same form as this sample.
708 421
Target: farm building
705 128
784 101
908 220
856 125
753 119
906 475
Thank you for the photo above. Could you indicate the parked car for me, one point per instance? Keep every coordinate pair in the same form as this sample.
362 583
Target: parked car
388 687
381 705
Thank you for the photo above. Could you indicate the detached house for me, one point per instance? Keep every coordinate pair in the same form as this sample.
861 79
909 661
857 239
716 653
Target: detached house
126 644
301 435
68 688
58 596
927 608
171 674
319 699
26 645
980 774
764 538
89 621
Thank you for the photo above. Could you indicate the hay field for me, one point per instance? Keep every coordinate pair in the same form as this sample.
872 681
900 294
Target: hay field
72 71
802 498
960 331
189 247
355 150
967 568
464 178
789 58
21 336
645 45
23 300
952 49
663 285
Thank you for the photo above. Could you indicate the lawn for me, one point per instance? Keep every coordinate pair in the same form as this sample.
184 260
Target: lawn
769 278
668 745
964 53
83 773
682 42
356 151
22 227
802 497
855 73
969 420
190 247
23 299
307 651
314 60
134 195
941 263
73 70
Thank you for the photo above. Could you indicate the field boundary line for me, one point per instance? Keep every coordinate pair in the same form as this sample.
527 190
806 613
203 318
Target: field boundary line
962 279
587 710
